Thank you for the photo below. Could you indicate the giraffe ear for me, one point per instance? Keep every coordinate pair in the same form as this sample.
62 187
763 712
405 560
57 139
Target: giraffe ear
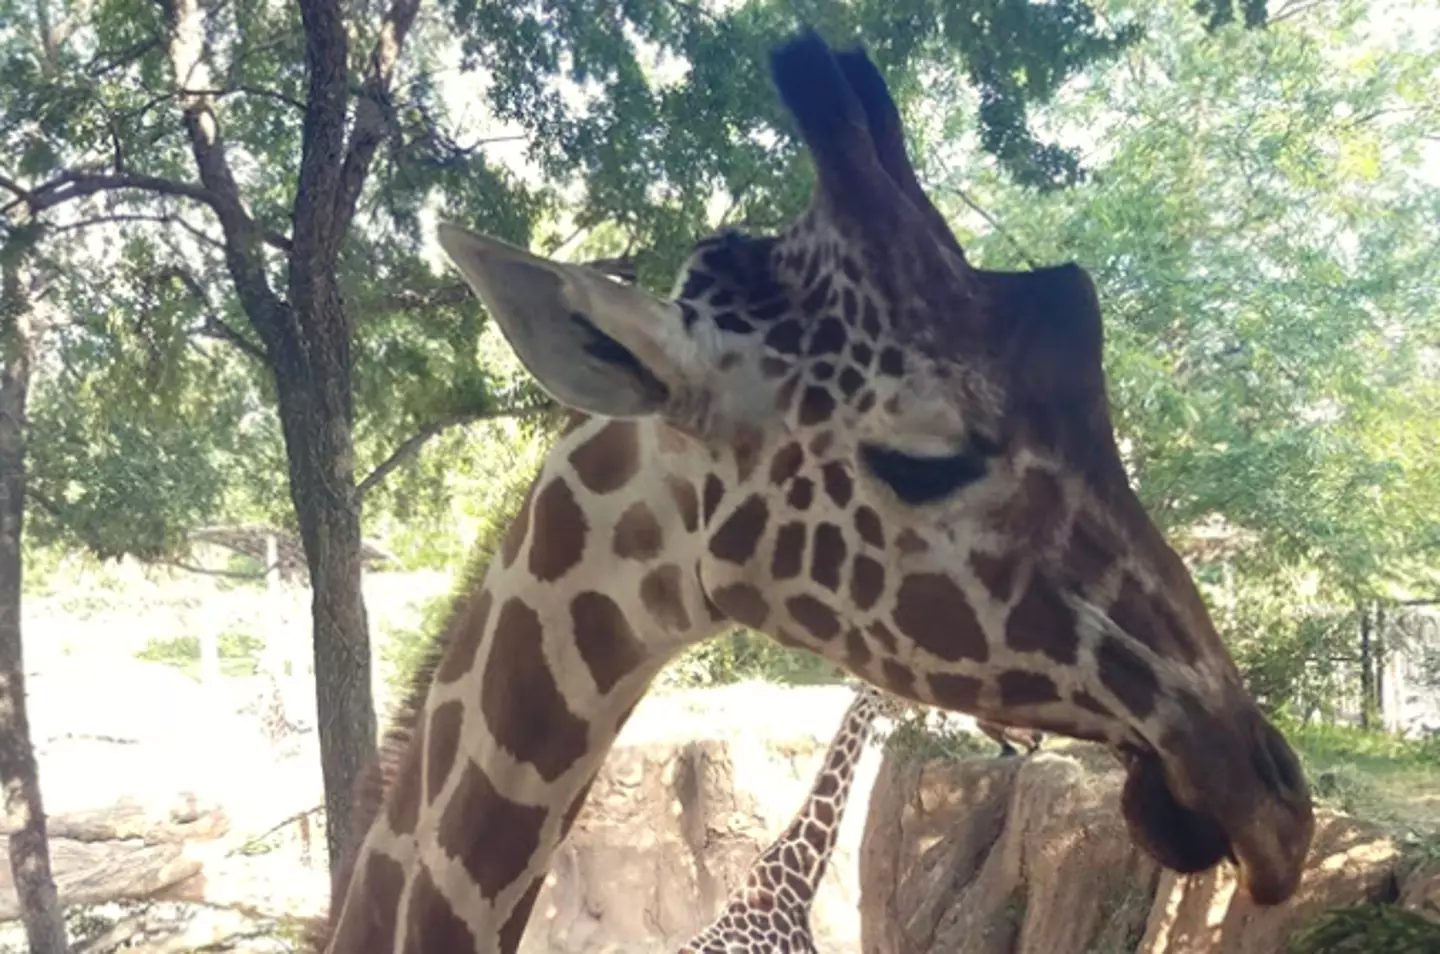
592 343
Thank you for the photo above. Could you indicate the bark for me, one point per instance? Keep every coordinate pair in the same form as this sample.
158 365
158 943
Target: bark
24 810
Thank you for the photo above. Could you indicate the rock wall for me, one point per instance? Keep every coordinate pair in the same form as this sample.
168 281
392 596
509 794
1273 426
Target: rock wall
1031 856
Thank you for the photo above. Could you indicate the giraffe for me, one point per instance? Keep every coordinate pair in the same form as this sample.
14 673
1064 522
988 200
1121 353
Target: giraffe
848 437
1009 737
770 912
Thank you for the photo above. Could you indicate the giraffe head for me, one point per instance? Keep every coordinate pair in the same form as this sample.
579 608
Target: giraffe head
906 464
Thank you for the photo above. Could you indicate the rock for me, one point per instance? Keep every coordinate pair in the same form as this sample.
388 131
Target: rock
186 820
1004 856
91 873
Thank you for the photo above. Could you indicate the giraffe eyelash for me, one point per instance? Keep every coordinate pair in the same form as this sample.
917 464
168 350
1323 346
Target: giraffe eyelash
920 480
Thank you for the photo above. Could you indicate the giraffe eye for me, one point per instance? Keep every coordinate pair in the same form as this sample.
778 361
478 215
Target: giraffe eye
918 480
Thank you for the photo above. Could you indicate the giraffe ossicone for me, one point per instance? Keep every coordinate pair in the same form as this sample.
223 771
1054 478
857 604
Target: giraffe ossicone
770 911
845 436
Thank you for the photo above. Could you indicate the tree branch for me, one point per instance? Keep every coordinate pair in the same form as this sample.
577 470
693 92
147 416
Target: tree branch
409 447
963 196
214 326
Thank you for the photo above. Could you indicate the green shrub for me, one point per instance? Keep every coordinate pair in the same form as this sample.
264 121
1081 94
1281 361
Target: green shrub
1367 929
239 653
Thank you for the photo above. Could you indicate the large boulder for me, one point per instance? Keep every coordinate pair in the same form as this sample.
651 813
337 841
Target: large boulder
1031 856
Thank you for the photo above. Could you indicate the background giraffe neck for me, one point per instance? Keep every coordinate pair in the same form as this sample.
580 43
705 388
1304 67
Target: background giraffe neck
803 849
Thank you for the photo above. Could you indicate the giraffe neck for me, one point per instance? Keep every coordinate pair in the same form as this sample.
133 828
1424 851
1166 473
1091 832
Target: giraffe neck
583 604
804 848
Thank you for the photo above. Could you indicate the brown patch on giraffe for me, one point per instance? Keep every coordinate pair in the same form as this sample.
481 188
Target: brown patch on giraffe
1126 675
857 651
827 555
604 638
1043 622
492 836
663 596
867 524
513 930
821 443
909 541
746 445
1148 619
867 581
518 529
955 692
402 806
742 603
714 492
1084 700
1031 516
610 459
802 492
1092 551
467 632
774 367
372 920
789 553
825 813
816 406
740 534
866 403
728 360
996 572
558 540
1020 688
637 533
567 821
838 485
686 501
900 680
786 463
523 706
431 924
931 610
785 396
815 616
671 440
814 835
442 742
883 636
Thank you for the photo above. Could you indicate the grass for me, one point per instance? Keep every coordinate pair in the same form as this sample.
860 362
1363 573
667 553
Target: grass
239 653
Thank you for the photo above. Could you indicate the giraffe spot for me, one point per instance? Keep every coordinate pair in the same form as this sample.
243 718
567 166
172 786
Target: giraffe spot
786 395
1043 622
909 541
867 524
519 527
955 692
829 338
825 813
522 705
572 813
431 924
866 402
1084 700
637 534
816 406
821 443
996 572
850 307
738 536
742 603
827 556
1019 688
686 501
870 320
747 443
610 459
883 636
402 810
688 314
1126 675
714 491
373 920
822 371
513 930
1092 550
662 595
826 786
773 367
671 440
1032 514
867 582
815 836
814 615
892 362
861 354
838 485
733 323
900 680
786 463
851 270
723 298
856 649
789 551
468 630
442 743
850 382
819 293
558 541
801 493
493 837
604 638
784 337
1150 621
931 610
769 310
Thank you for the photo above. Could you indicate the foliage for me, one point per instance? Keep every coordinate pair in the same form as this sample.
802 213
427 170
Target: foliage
239 653
1364 928
740 655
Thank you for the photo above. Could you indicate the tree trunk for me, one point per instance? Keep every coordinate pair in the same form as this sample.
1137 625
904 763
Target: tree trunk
24 810
317 414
